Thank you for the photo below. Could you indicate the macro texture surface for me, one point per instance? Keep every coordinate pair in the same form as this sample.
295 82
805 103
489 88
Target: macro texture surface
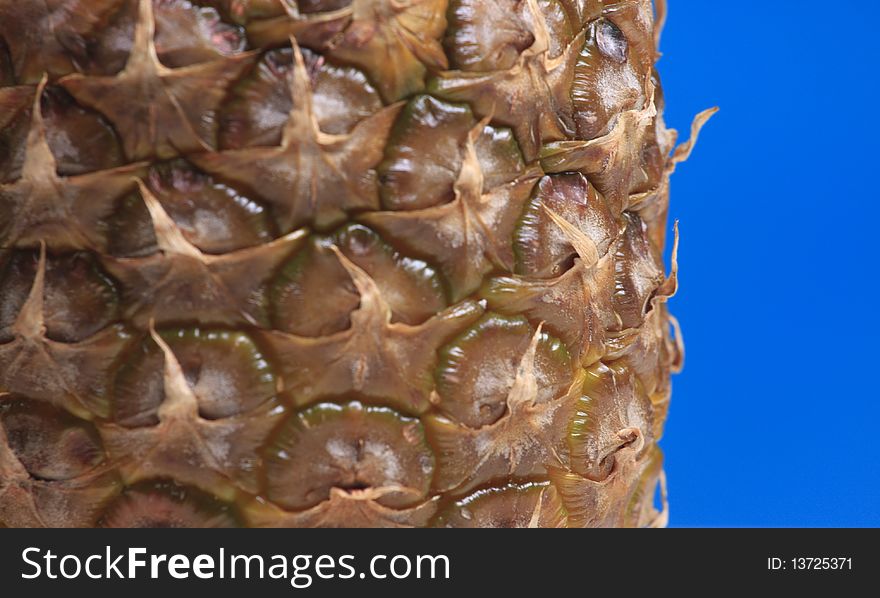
333 263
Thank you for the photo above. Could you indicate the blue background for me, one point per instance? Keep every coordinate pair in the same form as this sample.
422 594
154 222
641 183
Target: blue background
774 419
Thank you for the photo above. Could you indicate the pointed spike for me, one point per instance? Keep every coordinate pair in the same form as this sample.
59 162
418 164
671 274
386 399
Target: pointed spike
38 159
300 81
369 494
535 519
541 45
670 285
168 235
371 296
143 50
470 178
593 156
630 440
675 242
179 397
582 243
302 118
525 385
683 151
30 321
650 109
291 8
662 518
478 129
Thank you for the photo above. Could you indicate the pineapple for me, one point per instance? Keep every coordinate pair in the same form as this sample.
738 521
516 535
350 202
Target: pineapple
333 263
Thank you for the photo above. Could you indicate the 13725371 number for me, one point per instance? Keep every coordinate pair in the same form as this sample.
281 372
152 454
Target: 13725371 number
825 563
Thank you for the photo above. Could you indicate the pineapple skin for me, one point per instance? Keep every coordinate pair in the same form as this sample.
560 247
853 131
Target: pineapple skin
327 263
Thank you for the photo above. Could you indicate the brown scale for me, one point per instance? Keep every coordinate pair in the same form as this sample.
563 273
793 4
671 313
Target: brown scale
490 37
618 286
575 306
225 370
64 212
476 372
14 101
166 504
560 26
78 301
158 111
53 469
11 151
541 247
657 143
51 37
652 351
260 104
80 139
612 162
625 498
201 438
375 357
612 413
635 21
427 148
180 281
348 447
176 20
467 237
638 272
72 374
606 81
187 33
345 508
537 89
411 287
525 505
282 21
50 444
524 442
335 173
486 37
395 43
213 217
652 355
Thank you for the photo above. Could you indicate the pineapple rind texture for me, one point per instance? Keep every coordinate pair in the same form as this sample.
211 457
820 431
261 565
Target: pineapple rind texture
333 263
